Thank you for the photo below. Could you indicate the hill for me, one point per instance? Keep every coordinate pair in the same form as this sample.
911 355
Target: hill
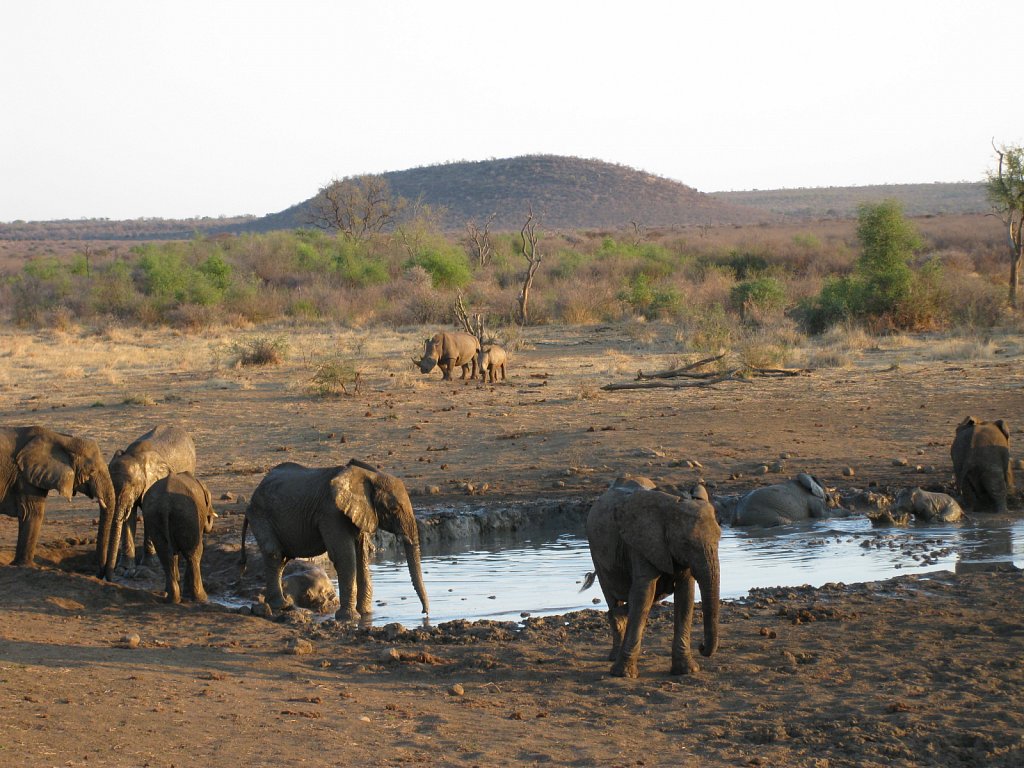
841 202
564 192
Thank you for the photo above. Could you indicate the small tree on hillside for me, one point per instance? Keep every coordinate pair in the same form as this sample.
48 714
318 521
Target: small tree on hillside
357 206
533 257
888 241
1005 188
479 240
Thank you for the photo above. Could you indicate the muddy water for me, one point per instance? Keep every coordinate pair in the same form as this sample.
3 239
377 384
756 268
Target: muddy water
503 579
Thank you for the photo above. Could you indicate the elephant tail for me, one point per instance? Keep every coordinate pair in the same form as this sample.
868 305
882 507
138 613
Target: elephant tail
241 555
588 580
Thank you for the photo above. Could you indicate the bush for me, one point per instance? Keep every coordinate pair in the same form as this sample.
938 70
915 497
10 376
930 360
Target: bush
333 377
260 350
448 266
764 294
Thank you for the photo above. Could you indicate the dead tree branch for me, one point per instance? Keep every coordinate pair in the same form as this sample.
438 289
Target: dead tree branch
533 258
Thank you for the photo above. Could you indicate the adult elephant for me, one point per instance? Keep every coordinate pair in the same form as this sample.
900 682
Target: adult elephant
802 498
163 450
448 350
981 463
36 460
646 544
299 511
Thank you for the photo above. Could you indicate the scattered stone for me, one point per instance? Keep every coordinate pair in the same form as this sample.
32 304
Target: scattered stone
456 690
393 631
389 656
762 469
431 490
777 466
849 472
227 496
1018 464
298 646
899 462
130 641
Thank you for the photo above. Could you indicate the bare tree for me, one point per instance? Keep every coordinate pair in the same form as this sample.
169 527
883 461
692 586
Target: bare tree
480 240
357 206
475 326
1005 188
533 257
639 232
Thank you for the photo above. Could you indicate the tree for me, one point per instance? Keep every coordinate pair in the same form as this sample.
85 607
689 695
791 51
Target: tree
1005 189
888 241
357 206
533 257
479 240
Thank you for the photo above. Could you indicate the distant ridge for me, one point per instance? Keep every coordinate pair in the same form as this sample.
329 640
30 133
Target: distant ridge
564 192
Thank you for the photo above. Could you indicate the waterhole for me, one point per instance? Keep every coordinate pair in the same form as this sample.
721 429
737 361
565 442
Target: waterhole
507 578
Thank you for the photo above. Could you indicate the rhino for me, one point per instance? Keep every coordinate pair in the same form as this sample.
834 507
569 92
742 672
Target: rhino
490 360
447 350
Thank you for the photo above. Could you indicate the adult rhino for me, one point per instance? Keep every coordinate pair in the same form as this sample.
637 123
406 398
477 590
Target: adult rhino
447 350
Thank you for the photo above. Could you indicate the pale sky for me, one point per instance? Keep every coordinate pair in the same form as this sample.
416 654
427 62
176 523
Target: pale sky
134 108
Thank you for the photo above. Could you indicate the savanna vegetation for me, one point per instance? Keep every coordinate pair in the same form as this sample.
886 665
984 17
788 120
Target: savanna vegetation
721 286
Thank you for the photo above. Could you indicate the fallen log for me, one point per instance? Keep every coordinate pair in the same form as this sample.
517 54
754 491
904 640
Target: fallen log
663 384
641 376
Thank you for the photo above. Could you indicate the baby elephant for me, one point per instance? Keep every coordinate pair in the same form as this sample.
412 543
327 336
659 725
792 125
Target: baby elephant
177 511
490 360
925 505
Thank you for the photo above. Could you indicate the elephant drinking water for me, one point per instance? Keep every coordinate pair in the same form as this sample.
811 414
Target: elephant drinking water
299 511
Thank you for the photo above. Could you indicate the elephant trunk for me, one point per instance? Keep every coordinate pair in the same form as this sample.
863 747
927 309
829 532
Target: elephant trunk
710 582
412 556
116 521
107 497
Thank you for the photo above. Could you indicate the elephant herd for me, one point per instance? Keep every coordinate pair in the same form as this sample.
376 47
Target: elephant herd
645 543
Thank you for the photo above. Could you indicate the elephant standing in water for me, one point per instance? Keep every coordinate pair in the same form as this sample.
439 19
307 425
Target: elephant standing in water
981 463
646 544
178 511
164 449
35 461
299 511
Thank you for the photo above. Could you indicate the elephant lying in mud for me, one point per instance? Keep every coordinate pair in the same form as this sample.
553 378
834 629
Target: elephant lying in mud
928 506
164 449
37 460
490 361
178 511
299 511
981 464
802 498
646 544
308 586
448 350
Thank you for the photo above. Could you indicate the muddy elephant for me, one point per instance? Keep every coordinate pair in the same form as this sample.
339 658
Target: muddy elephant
490 361
36 460
308 586
448 350
928 506
164 449
178 512
802 498
299 511
981 464
646 544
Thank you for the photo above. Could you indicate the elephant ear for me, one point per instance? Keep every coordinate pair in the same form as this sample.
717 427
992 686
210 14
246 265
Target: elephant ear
811 484
47 465
353 495
970 421
1003 427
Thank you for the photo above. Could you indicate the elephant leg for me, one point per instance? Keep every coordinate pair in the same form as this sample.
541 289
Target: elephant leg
617 614
128 543
31 511
682 661
169 561
342 548
273 568
194 576
641 598
364 585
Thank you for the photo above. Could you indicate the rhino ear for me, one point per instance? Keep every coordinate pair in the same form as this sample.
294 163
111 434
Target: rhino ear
1003 427
47 465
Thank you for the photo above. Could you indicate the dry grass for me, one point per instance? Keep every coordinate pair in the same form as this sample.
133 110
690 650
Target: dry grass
961 349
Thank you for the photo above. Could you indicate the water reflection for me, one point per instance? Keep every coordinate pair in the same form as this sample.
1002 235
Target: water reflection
504 578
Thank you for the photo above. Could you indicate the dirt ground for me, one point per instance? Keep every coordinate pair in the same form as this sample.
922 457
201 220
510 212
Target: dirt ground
917 671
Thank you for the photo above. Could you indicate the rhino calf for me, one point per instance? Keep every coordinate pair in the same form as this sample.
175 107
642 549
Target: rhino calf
490 360
925 505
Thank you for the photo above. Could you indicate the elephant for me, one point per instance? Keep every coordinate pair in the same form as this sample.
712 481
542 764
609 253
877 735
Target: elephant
447 350
801 498
309 586
299 511
928 506
981 464
36 460
164 449
178 511
646 544
490 360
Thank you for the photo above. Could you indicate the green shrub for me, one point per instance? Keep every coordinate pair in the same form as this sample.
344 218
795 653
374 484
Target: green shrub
762 293
448 266
260 350
333 377
648 299
355 266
